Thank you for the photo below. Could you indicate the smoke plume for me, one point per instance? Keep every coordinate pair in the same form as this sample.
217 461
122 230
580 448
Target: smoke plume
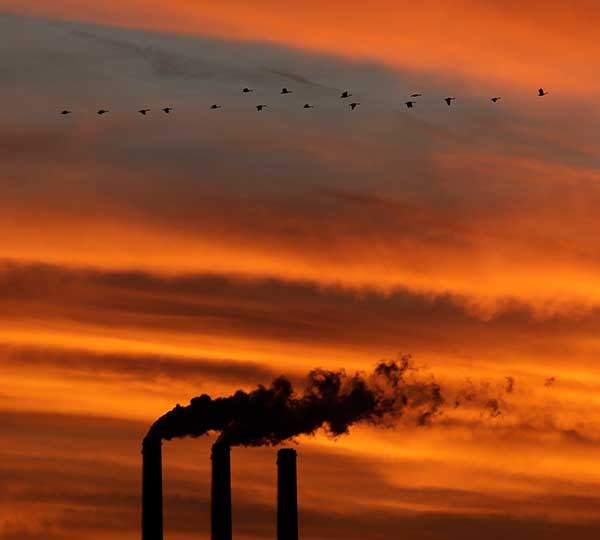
331 400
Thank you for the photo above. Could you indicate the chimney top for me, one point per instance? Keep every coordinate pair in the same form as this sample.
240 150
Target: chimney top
220 449
286 454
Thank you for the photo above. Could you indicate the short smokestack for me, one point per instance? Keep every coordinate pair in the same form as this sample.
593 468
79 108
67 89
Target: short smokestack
152 505
220 510
287 495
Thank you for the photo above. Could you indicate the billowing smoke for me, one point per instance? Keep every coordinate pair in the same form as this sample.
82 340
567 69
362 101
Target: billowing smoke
331 400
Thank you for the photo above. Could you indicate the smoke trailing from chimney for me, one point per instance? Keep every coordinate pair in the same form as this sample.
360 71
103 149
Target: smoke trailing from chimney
332 400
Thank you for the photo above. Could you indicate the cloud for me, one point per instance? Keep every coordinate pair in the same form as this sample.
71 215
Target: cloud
134 367
166 64
384 200
385 36
11 529
298 78
137 301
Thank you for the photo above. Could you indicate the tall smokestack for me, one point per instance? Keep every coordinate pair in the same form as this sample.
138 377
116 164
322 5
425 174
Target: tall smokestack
221 492
287 495
152 505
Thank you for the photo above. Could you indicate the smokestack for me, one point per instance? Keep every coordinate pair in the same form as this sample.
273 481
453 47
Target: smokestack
152 505
287 496
221 492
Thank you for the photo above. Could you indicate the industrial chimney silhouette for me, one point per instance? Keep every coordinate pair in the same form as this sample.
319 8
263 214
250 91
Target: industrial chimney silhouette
152 504
287 495
221 522
220 510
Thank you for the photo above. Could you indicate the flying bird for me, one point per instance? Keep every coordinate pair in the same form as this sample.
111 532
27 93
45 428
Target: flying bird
308 106
449 100
65 112
345 94
144 112
410 104
167 110
247 90
260 107
541 92
215 106
496 99
286 91
102 111
354 105
415 95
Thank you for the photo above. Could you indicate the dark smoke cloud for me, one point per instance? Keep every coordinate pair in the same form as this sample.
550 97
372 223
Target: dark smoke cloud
331 400
494 408
491 400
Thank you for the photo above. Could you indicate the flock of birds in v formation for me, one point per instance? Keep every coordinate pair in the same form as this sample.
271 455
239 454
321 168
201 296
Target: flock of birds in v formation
344 95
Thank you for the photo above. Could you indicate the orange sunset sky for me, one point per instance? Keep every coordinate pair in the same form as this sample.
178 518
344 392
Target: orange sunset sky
146 260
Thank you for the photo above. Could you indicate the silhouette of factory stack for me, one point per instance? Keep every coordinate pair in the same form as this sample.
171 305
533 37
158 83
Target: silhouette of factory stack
220 510
287 495
152 504
221 523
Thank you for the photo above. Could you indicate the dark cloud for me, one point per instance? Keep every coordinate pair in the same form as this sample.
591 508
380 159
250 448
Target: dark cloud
166 64
137 367
299 78
281 310
381 524
46 425
18 142
27 529
522 429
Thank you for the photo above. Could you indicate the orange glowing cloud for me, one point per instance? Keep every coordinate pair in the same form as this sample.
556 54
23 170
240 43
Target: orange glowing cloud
521 251
515 43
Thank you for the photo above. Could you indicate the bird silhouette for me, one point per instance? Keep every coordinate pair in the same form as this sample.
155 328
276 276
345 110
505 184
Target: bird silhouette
247 90
308 106
102 111
260 107
410 104
354 105
345 94
215 106
65 112
167 110
541 92
144 112
286 91
449 100
415 95
496 99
